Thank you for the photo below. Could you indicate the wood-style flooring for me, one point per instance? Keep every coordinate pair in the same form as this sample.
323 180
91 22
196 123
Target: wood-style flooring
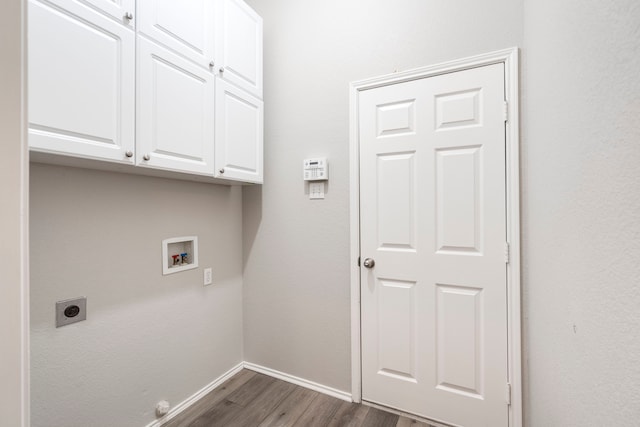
250 399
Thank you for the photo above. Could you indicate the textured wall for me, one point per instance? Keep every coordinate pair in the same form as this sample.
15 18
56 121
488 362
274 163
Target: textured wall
147 337
296 276
13 223
581 212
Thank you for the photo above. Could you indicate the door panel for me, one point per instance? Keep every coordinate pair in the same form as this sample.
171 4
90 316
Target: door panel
239 134
434 314
240 44
80 106
119 10
175 112
185 27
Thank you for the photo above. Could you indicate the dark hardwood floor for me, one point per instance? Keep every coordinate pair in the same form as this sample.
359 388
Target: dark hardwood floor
250 399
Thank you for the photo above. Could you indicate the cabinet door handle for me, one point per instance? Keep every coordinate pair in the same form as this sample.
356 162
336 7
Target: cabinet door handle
146 157
128 16
211 64
221 70
129 153
222 170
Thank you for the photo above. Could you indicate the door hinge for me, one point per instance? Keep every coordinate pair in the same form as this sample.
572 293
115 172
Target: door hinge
507 252
508 394
505 111
358 261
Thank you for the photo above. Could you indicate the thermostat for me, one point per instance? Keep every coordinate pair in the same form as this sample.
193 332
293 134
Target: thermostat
316 169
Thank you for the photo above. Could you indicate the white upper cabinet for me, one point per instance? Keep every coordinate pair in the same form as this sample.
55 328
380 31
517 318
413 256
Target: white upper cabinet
186 27
81 82
139 83
240 45
239 134
121 10
175 112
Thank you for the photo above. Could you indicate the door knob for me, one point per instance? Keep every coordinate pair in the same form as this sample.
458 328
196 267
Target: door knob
128 16
129 153
369 263
146 157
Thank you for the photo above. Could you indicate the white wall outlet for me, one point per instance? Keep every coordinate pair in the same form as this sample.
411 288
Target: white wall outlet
208 276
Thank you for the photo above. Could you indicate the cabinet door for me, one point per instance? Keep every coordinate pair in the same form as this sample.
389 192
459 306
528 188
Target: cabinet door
239 134
121 10
175 111
240 45
186 27
81 83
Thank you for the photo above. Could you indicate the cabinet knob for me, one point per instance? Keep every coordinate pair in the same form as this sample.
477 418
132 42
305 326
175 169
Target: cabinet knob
146 157
211 64
221 70
222 170
128 16
129 153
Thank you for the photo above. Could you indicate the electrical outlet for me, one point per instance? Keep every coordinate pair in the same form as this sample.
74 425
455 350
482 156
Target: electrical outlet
71 311
208 276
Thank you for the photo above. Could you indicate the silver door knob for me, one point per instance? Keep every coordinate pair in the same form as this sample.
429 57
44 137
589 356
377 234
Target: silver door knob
146 157
129 154
369 263
221 170
128 16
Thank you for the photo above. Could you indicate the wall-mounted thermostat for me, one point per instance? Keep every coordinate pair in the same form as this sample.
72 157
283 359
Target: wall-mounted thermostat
316 169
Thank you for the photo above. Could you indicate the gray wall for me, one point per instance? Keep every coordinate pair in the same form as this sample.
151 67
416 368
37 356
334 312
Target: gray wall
147 337
580 187
14 338
296 276
581 211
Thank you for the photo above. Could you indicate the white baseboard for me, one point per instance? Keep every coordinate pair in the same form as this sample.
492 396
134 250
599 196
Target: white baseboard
343 395
197 396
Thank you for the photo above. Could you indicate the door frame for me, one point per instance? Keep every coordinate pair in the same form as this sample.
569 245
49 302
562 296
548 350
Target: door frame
510 59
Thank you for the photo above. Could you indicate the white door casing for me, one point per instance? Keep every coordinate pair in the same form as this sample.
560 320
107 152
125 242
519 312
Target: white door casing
440 314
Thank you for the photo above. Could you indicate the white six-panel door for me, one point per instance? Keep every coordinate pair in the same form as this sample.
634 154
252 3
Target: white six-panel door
434 304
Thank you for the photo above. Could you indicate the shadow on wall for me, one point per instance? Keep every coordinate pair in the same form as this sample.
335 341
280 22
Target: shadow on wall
251 218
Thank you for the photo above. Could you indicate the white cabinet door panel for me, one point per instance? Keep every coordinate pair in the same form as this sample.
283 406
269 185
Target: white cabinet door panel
81 83
175 112
187 27
121 10
239 134
240 45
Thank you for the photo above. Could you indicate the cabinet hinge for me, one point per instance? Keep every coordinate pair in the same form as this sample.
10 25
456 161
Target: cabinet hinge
508 394
505 111
358 261
507 252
